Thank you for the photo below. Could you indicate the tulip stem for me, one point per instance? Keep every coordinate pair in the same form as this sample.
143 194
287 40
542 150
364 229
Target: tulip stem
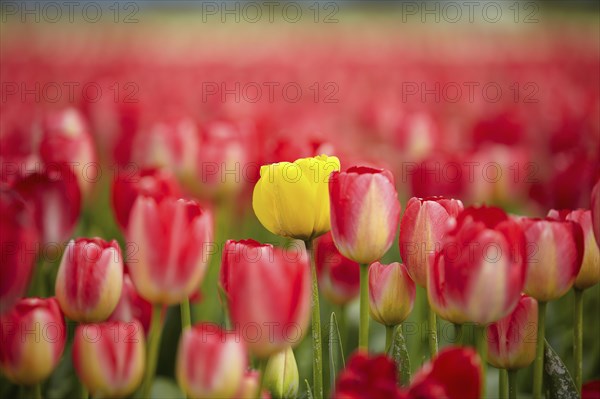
262 368
432 333
458 332
503 384
512 384
578 338
37 391
363 329
538 369
389 337
342 327
316 326
186 316
481 335
152 349
83 390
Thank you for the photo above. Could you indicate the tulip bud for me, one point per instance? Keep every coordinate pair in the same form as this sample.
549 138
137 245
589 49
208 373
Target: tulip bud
291 199
109 357
19 239
595 207
391 293
589 274
132 306
32 338
339 277
422 228
210 362
155 183
364 212
172 237
66 139
479 274
89 280
268 293
555 258
510 345
281 375
55 200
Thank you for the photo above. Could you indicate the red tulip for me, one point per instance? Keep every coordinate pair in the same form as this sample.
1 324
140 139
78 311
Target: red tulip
90 279
511 340
66 140
55 200
422 228
554 259
210 362
268 292
19 241
132 306
32 340
589 274
364 212
172 238
479 274
129 184
455 373
339 277
391 293
109 357
368 377
591 390
595 207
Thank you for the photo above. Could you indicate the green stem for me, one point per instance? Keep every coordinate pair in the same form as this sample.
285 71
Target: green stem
389 337
262 367
342 327
480 332
432 333
578 338
538 367
152 349
458 333
503 384
316 327
37 391
363 328
186 316
512 384
400 355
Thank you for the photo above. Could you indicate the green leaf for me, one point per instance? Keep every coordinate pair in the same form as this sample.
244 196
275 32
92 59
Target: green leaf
558 381
309 394
165 388
336 351
399 353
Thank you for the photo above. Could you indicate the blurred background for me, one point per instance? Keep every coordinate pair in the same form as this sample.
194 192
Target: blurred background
491 102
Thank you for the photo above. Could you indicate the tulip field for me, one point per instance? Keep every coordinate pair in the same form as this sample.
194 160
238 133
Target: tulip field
329 199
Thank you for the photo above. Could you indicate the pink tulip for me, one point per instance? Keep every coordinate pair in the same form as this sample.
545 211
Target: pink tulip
511 340
90 279
132 306
364 212
129 184
210 362
172 238
32 340
19 241
391 293
479 274
109 357
554 257
268 292
589 274
339 277
422 228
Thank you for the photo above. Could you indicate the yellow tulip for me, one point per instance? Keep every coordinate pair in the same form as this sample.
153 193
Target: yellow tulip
291 199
